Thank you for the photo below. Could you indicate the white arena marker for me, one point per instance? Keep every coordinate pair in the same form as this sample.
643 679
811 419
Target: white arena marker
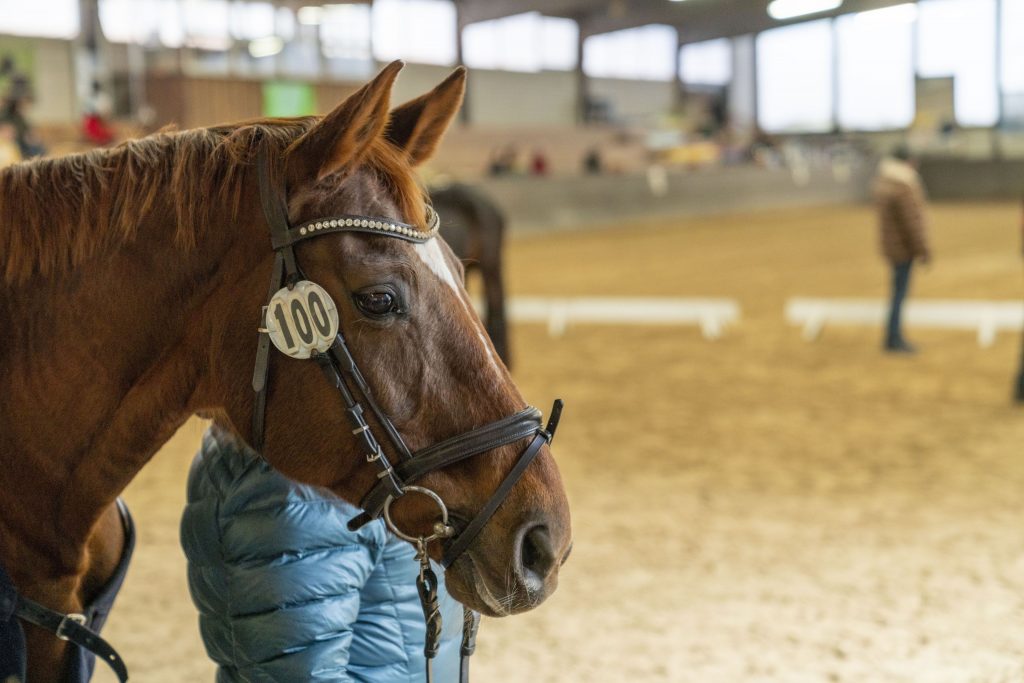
987 318
711 315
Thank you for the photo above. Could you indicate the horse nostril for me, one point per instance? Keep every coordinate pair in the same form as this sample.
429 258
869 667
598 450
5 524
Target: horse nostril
537 557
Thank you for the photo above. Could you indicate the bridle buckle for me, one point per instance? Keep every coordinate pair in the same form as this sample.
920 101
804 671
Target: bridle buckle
68 619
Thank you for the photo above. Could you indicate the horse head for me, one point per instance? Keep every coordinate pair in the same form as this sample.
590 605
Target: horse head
409 324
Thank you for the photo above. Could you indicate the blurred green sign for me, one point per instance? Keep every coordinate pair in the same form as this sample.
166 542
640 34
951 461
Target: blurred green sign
286 98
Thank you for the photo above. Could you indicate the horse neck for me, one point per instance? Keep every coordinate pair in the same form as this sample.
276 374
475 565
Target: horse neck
100 373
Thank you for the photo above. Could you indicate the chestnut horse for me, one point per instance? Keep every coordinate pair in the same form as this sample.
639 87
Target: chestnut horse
474 227
134 280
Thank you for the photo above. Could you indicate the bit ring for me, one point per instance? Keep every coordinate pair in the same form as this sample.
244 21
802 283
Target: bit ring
441 529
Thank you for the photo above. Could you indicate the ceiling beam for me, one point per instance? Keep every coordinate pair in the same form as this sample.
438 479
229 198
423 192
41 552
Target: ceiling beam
698 21
471 11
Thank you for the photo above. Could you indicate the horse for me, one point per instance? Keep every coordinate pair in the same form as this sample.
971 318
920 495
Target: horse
474 227
135 281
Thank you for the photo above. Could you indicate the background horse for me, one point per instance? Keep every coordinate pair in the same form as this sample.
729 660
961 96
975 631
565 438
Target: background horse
134 283
474 227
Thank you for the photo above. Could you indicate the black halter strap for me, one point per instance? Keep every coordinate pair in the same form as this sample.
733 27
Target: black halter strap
342 371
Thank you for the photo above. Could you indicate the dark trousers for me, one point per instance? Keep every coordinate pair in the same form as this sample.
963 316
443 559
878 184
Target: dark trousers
1018 392
900 285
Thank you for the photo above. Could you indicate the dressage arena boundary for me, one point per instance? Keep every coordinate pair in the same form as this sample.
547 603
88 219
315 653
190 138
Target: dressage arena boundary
711 315
988 318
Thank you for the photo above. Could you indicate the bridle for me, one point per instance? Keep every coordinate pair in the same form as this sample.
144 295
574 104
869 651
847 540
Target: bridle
394 479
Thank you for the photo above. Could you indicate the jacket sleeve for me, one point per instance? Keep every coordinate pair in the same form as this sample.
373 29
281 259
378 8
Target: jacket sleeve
913 219
273 569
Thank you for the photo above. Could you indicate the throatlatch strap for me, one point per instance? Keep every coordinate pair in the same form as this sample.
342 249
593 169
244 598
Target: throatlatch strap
65 627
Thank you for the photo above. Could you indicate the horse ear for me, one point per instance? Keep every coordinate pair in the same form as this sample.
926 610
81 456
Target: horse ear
342 136
417 126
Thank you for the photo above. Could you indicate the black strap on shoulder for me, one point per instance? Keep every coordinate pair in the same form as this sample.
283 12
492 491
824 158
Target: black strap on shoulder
70 627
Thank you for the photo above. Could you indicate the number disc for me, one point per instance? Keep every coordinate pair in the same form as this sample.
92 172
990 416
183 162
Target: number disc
302 320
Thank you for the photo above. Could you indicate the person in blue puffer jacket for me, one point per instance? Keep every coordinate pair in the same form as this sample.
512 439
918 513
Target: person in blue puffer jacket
286 593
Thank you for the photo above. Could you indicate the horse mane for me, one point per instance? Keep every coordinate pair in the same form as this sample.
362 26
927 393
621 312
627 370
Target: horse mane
57 213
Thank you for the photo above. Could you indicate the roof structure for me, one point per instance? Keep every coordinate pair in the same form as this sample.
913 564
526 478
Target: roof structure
694 19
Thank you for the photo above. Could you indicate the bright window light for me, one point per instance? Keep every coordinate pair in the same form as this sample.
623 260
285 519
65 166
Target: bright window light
511 43
789 9
646 53
265 47
522 42
706 63
875 55
207 24
146 22
311 15
1013 46
251 20
794 78
345 32
40 18
956 38
422 31
559 39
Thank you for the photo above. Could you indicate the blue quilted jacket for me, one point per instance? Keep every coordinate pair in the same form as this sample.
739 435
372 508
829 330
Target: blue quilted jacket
286 593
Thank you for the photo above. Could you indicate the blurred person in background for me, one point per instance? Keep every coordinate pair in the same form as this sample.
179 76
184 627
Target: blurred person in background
286 592
14 112
1019 389
9 152
539 165
592 162
95 121
903 224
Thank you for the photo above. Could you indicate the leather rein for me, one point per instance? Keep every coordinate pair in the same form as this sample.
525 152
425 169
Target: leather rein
398 478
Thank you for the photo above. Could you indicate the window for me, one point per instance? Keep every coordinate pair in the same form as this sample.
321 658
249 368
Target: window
559 43
422 31
707 63
956 38
206 24
875 53
645 53
345 41
301 55
794 78
1013 47
40 18
147 22
522 42
252 20
345 32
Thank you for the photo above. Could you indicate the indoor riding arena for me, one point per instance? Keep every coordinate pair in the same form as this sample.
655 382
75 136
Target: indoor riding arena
769 253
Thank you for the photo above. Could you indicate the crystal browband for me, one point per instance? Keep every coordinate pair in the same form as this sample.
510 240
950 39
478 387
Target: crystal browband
385 226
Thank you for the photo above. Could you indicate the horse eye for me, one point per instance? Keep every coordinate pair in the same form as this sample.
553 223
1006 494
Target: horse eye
376 303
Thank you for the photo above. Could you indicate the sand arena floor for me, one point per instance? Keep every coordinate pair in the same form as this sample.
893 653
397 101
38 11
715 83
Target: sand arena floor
756 509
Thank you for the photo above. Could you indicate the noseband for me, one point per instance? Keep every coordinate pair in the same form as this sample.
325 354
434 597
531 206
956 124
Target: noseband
394 479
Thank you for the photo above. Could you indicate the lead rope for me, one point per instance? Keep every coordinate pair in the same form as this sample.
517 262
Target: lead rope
426 586
470 625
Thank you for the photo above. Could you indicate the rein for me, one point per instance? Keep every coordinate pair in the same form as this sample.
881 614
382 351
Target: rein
316 324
